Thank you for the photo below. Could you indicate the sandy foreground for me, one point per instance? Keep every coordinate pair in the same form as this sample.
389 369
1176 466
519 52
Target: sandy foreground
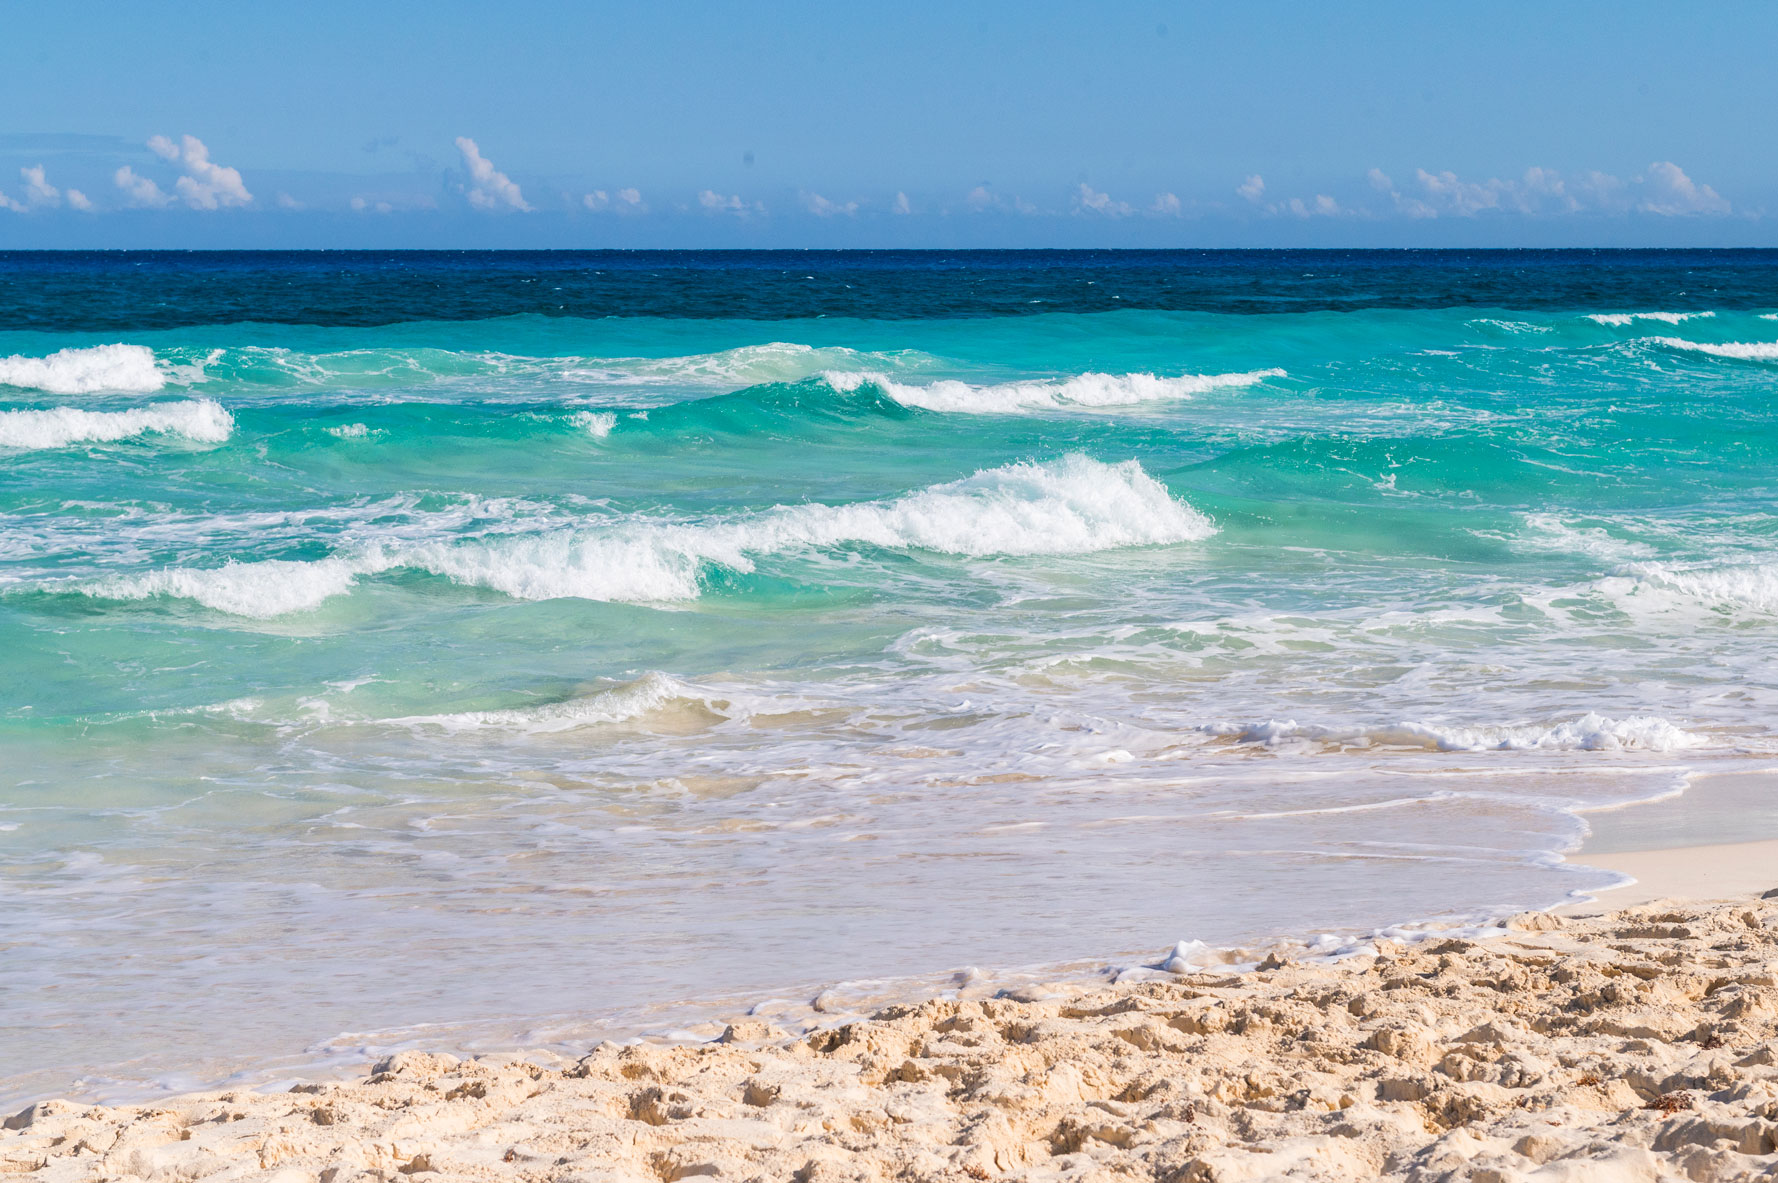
1639 1045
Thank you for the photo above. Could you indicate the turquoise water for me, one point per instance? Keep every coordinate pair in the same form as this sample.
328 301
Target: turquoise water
524 680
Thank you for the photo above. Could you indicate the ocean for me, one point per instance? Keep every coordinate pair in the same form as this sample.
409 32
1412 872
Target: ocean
510 650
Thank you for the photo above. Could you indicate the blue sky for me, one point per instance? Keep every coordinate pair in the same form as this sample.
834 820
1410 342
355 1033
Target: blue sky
547 123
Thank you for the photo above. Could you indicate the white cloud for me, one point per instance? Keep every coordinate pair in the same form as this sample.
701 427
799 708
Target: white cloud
362 204
1463 198
491 189
39 191
1166 205
624 201
821 207
1322 207
204 184
980 199
1663 190
140 190
1253 188
1669 192
1086 199
40 194
715 203
902 205
285 201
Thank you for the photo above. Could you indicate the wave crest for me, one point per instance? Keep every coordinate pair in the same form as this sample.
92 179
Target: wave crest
646 695
1620 319
270 587
1074 505
1751 586
127 369
199 420
1738 350
1082 391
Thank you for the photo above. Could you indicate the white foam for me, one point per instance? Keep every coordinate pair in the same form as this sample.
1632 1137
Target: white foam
1749 585
1620 319
1074 505
349 431
1548 532
123 368
597 424
272 587
1739 350
619 704
1591 733
748 365
199 420
1081 391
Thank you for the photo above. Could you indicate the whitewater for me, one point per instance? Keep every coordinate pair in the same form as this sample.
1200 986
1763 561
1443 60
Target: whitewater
937 614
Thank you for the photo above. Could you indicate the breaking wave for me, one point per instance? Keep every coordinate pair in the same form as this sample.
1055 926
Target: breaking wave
492 371
1750 586
1739 350
200 420
1074 505
619 704
1082 391
1620 319
126 369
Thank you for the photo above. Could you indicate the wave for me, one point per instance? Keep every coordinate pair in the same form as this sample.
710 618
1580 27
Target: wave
1590 733
1748 586
1088 390
748 365
199 420
619 704
726 369
270 587
1739 350
1074 505
1620 319
126 369
1549 532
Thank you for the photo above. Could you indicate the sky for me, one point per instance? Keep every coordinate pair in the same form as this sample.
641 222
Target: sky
550 123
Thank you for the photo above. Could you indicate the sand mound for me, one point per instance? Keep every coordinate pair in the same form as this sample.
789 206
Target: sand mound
1637 1046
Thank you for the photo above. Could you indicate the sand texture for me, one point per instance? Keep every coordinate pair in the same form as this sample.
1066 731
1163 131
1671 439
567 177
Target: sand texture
1640 1045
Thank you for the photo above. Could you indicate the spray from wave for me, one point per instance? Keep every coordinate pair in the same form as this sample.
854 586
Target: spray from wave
1082 391
1074 505
125 369
200 421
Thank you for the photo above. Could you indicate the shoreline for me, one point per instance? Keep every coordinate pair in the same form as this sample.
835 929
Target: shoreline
1633 1045
1707 871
